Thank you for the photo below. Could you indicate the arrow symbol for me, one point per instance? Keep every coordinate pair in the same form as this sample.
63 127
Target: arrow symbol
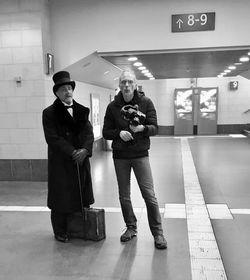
179 22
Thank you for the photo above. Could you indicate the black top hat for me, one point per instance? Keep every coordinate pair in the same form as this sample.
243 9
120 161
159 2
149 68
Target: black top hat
62 78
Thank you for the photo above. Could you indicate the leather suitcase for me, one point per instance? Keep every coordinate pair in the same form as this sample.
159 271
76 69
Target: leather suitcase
89 225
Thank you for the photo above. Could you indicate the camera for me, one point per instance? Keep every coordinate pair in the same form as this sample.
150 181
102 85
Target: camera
132 114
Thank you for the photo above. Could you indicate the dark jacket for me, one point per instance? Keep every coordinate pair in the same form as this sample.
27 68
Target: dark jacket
114 123
63 135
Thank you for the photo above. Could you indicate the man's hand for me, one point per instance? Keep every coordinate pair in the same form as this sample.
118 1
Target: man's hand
126 136
79 155
138 128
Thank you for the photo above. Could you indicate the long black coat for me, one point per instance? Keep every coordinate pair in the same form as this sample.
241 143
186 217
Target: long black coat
63 135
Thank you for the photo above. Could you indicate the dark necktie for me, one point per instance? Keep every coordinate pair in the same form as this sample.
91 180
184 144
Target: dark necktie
67 107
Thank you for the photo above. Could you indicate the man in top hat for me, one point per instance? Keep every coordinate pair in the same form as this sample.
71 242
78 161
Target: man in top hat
69 136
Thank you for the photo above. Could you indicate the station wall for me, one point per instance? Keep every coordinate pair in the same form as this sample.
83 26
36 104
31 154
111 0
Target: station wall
72 30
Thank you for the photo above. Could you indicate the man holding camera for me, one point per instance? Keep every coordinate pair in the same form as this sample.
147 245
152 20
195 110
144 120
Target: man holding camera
129 121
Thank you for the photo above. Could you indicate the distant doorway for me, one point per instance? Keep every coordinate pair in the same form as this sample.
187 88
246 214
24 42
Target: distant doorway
195 111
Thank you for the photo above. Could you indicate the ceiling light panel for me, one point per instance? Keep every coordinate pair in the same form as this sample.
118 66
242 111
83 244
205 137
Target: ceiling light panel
244 59
132 58
137 64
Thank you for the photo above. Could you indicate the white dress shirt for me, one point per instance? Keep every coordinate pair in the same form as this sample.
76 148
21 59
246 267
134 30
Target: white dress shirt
70 110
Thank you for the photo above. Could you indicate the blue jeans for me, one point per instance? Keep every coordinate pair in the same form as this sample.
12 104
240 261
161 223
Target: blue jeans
143 174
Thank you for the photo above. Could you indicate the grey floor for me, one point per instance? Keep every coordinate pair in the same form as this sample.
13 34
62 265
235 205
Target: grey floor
29 251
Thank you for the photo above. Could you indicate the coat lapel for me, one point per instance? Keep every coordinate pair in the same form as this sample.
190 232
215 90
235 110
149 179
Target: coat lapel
62 114
80 115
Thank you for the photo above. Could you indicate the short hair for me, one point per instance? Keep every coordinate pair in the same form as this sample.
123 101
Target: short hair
127 71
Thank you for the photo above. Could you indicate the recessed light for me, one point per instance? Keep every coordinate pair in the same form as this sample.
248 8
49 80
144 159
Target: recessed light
137 64
237 63
244 58
231 67
227 71
145 71
142 68
132 58
152 78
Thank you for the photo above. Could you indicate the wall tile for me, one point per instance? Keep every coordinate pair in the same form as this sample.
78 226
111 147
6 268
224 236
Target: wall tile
11 38
22 55
24 170
37 54
35 20
33 71
16 104
35 104
3 106
31 5
26 88
27 20
5 56
39 88
12 71
27 120
49 100
8 121
43 151
5 170
26 71
166 130
32 37
39 170
9 151
32 151
9 6
5 22
36 135
48 88
4 136
1 74
21 170
19 136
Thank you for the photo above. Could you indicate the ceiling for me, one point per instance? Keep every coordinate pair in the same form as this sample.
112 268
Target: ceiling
104 69
182 64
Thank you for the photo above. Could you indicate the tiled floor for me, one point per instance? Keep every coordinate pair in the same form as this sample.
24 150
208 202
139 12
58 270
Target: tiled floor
207 231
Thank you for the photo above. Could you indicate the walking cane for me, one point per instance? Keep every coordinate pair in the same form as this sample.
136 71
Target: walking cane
80 190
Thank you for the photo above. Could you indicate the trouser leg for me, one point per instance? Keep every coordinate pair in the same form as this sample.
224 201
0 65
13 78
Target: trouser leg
123 174
142 170
59 222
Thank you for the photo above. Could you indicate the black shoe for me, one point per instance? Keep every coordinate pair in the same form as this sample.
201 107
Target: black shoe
62 238
130 233
160 242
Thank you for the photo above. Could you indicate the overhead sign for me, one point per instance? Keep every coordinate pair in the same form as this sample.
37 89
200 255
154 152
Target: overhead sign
193 22
233 85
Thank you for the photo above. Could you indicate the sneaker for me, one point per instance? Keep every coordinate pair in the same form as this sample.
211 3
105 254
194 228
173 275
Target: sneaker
128 234
160 242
